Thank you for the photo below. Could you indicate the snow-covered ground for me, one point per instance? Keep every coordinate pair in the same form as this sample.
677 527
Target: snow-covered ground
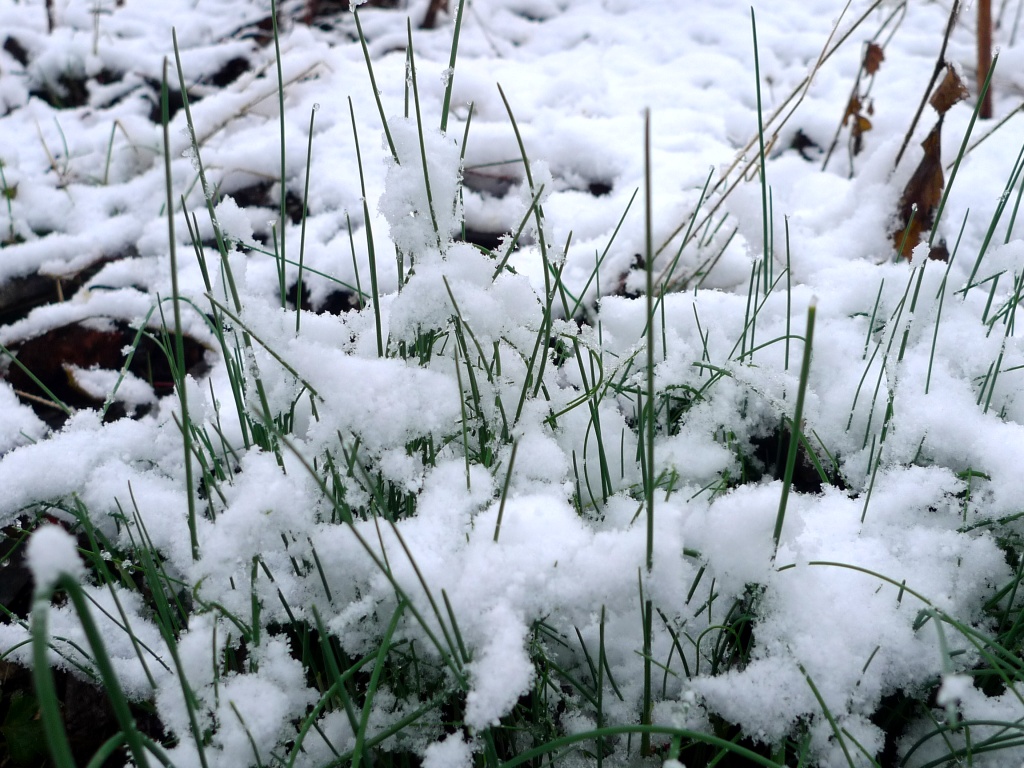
458 497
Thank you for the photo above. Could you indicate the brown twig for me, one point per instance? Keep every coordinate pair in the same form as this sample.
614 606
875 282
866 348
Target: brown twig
897 16
940 65
985 55
775 121
436 6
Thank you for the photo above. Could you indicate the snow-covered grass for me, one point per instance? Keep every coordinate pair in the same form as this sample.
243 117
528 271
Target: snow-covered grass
680 467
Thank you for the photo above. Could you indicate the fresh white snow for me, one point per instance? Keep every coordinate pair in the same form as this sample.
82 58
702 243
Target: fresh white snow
933 491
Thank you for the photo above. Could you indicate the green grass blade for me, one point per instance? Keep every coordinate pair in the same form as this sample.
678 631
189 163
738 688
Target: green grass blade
796 427
450 74
305 215
179 348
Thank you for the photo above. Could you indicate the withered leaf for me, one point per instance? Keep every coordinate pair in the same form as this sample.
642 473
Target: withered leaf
921 196
852 109
861 125
873 58
950 91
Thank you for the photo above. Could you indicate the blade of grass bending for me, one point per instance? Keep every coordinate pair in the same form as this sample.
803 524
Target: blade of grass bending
355 265
330 693
334 671
305 213
465 417
111 686
200 168
466 656
134 346
35 380
450 662
648 705
179 342
371 688
664 280
960 157
452 646
111 745
423 145
595 274
519 231
796 427
283 363
167 624
248 734
450 79
544 332
538 211
504 490
941 296
761 154
828 716
1005 663
109 580
229 278
46 692
747 755
282 210
789 293
376 92
370 252
106 751
237 396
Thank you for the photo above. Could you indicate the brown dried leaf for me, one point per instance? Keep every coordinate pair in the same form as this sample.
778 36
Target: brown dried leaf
853 109
863 125
873 58
950 91
921 197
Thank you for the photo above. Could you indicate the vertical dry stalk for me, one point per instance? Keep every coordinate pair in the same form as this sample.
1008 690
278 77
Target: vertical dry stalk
49 16
435 7
984 55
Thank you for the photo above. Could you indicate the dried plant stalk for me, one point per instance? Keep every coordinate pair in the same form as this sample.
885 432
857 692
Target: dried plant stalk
984 55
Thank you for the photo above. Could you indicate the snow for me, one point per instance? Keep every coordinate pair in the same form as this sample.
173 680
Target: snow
452 752
50 554
914 390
